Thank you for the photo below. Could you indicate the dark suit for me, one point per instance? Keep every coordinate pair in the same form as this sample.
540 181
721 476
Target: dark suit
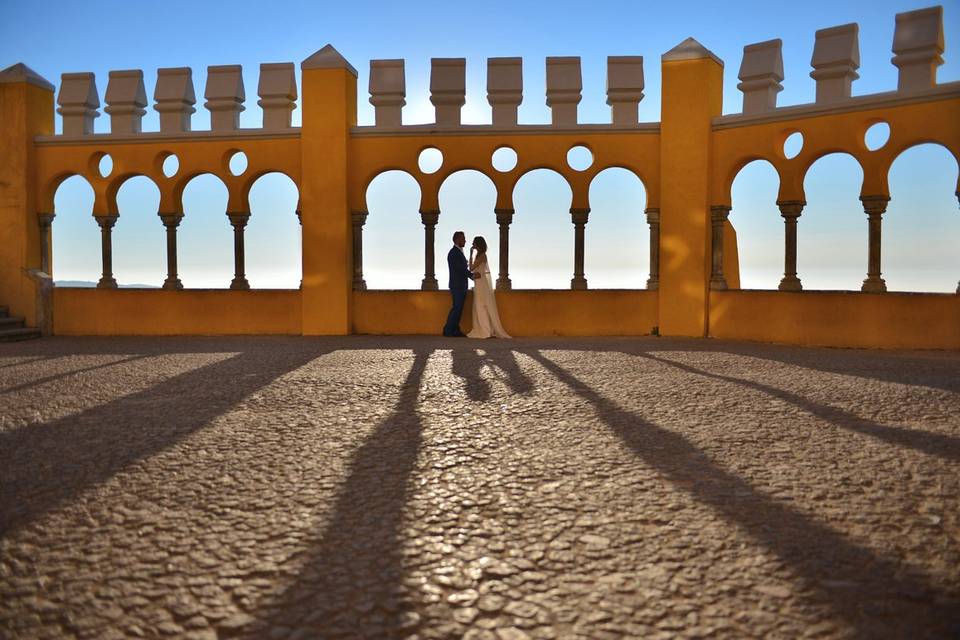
459 277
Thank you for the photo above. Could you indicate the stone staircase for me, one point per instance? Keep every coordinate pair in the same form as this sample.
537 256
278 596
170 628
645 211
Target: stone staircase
12 329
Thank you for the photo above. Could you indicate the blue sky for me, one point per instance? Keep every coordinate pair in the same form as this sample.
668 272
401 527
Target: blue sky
921 228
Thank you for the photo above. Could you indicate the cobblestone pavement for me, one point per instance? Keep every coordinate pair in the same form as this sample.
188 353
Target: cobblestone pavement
440 488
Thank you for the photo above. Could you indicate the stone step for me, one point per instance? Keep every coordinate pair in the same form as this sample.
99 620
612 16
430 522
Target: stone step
14 335
11 322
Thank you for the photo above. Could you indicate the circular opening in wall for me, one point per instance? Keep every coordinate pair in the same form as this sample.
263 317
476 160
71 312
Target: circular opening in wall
238 163
170 166
105 166
504 159
579 158
430 160
793 145
877 136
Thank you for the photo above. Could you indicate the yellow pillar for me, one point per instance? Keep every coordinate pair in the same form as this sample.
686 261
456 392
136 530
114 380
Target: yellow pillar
26 110
329 106
692 96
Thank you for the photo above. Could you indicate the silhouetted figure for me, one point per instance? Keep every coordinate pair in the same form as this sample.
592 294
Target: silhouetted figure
459 276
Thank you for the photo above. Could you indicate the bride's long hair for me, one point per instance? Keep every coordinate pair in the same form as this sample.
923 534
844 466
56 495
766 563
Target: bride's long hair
480 245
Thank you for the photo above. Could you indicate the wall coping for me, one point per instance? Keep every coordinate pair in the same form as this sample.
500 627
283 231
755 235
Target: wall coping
156 136
370 131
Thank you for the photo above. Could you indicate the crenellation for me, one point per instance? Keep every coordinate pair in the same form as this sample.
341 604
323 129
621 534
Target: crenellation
225 96
836 58
761 74
564 86
448 85
624 88
174 99
79 103
388 91
504 89
278 94
918 45
126 101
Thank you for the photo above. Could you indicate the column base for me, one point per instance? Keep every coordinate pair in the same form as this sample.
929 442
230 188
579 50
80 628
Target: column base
790 283
578 284
239 284
429 284
173 284
874 285
107 283
360 285
504 284
653 284
718 284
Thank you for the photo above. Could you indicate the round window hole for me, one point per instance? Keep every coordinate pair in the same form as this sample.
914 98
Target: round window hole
877 136
793 145
504 159
171 164
105 166
430 160
579 158
238 163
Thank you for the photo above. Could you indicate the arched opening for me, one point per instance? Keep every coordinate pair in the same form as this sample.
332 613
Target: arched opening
467 202
921 227
205 237
272 243
541 236
760 229
617 238
139 253
75 257
393 233
832 231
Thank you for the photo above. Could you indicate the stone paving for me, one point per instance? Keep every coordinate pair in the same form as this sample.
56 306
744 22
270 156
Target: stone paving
439 488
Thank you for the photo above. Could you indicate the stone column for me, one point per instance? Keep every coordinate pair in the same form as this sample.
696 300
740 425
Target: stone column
958 202
653 219
874 206
579 217
45 221
429 219
504 218
239 222
718 218
171 221
790 210
106 248
300 222
358 218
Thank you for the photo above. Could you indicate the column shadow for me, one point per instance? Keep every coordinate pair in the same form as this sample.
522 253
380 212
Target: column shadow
350 584
934 444
825 560
45 465
66 374
467 363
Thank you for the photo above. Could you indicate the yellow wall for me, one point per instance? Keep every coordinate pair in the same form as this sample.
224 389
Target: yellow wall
145 312
524 313
838 319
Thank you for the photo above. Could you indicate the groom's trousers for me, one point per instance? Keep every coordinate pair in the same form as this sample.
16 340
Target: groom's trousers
452 328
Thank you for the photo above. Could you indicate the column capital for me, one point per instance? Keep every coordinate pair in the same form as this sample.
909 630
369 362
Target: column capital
791 208
653 215
45 219
580 215
874 205
359 217
171 220
719 212
107 222
504 216
239 218
430 217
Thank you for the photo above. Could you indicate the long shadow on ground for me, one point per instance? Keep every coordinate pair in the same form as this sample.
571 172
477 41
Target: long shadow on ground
822 557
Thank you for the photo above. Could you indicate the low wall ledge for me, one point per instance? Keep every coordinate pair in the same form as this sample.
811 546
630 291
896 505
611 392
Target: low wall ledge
100 139
946 91
491 130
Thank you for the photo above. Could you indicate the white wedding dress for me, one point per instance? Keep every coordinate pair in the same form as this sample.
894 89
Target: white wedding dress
486 318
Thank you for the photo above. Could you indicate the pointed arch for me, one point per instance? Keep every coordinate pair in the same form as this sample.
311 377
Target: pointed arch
393 233
760 230
467 200
273 234
75 251
139 241
205 237
617 239
541 236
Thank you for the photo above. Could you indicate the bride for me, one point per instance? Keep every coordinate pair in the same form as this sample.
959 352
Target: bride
486 318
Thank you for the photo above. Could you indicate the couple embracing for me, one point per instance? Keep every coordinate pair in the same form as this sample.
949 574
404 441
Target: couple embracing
486 318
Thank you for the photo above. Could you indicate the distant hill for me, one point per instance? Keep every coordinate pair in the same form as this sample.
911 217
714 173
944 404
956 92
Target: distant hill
86 284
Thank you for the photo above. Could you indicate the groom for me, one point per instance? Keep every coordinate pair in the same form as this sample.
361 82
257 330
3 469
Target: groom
459 274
